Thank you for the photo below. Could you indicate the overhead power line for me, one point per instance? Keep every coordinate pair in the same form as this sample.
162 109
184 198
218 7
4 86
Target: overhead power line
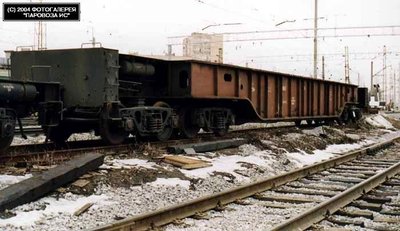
337 29
295 37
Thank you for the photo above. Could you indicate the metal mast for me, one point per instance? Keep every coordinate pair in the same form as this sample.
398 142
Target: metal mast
40 35
315 38
346 65
384 96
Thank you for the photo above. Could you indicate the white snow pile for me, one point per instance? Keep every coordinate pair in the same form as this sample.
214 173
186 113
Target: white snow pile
272 163
29 214
170 182
42 138
303 158
128 163
379 121
317 131
6 180
248 149
227 164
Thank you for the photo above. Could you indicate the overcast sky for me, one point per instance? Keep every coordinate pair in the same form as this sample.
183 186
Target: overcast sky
144 27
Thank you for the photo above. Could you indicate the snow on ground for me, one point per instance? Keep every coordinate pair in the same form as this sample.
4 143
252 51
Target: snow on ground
27 215
378 121
6 180
259 125
228 164
42 138
303 158
127 163
31 140
170 182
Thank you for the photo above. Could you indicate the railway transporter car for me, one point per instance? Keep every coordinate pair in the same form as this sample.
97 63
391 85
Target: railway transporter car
78 90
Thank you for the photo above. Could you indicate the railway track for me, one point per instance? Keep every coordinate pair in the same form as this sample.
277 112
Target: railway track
321 189
48 151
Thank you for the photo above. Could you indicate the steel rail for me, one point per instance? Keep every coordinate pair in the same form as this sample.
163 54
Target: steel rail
169 214
25 153
319 212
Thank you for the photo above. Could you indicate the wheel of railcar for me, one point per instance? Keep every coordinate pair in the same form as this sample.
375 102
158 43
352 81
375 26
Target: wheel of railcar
297 123
309 122
58 134
8 135
187 128
339 121
358 113
111 133
345 115
8 129
168 129
5 142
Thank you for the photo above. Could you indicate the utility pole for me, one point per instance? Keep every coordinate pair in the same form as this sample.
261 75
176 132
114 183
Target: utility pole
384 74
346 65
315 37
394 87
372 76
323 67
93 38
169 49
40 35
399 84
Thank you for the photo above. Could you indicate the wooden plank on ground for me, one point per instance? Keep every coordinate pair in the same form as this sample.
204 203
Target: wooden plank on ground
39 185
81 183
186 162
207 146
83 209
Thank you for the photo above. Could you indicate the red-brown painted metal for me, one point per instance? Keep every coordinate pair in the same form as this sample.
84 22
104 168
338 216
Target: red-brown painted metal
273 96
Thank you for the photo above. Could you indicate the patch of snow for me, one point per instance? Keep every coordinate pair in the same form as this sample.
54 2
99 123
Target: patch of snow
6 180
171 182
302 158
227 164
259 125
353 136
379 121
31 140
11 179
248 149
317 131
127 163
42 138
53 208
